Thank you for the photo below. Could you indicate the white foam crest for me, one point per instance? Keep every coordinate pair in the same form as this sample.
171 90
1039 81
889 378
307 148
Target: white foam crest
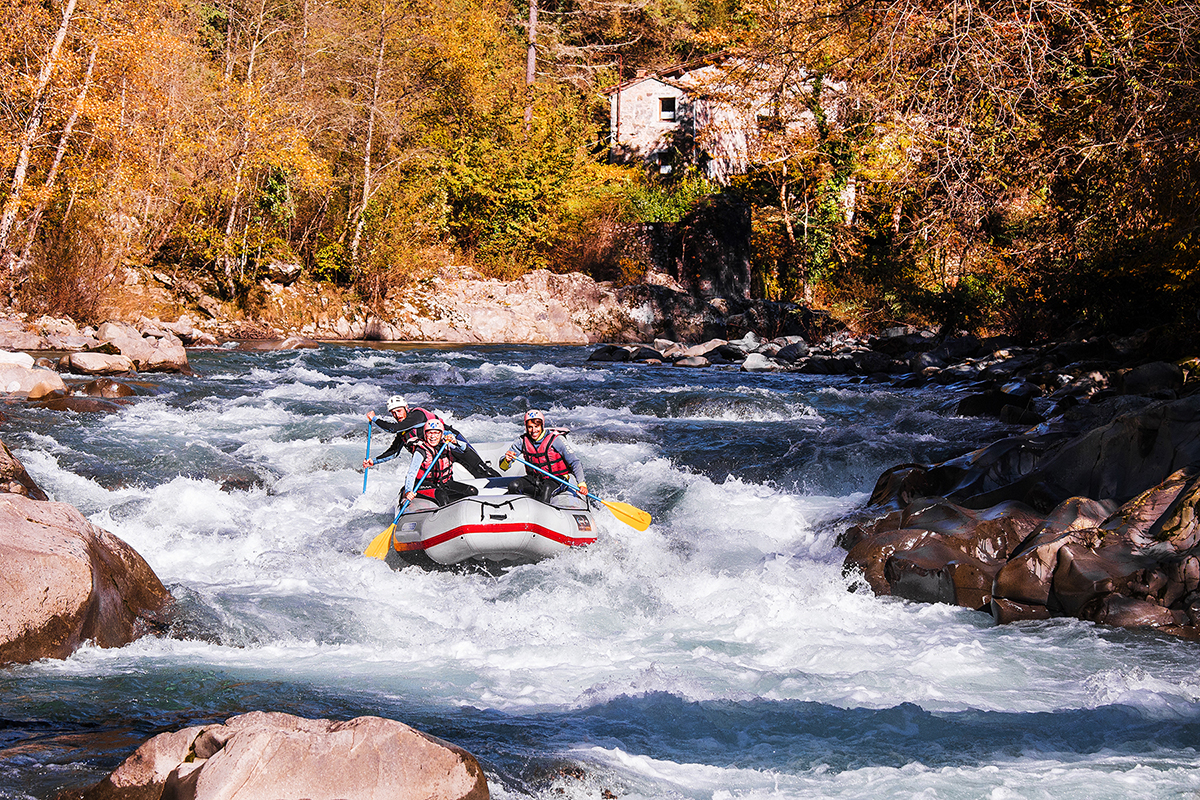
60 484
372 360
1090 777
1170 694
743 521
339 392
540 373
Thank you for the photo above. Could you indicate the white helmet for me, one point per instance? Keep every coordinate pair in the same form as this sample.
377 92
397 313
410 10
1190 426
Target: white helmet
396 401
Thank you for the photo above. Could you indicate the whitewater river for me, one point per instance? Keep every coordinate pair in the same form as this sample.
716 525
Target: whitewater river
720 654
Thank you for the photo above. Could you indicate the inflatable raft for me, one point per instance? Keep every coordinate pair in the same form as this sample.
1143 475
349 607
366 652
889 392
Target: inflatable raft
495 528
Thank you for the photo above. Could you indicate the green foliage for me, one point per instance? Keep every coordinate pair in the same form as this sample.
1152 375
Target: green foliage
212 28
330 262
508 194
968 305
668 201
275 198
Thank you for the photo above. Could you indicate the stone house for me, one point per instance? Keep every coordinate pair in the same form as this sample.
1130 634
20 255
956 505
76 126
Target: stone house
720 113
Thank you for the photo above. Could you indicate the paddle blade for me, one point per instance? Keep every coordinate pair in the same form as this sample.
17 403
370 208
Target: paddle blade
632 516
378 547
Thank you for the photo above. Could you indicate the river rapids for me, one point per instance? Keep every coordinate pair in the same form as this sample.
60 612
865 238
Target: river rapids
719 655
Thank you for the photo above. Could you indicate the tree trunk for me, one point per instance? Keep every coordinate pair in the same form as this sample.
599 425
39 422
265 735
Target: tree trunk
366 188
783 205
36 217
32 129
531 64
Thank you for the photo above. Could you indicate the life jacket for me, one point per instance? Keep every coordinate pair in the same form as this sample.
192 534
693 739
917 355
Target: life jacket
438 471
417 434
541 454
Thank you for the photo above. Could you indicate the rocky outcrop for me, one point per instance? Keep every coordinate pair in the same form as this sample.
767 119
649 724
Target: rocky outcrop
461 306
540 307
14 479
1100 523
749 353
268 755
67 582
115 347
151 349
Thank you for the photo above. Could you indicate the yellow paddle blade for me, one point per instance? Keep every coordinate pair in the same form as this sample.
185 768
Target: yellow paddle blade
378 547
630 515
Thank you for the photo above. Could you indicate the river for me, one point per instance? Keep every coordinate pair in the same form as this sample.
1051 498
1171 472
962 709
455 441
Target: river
720 654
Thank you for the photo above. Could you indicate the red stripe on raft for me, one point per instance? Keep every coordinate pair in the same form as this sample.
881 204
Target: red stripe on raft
511 527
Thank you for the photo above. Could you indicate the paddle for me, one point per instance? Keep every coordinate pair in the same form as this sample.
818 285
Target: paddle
379 546
368 458
632 516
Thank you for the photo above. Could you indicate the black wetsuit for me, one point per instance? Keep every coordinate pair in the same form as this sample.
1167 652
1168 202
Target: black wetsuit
412 428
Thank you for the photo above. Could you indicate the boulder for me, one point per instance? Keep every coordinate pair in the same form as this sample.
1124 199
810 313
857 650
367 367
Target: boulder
940 571
1152 378
82 405
757 362
610 352
646 355
33 383
99 364
164 353
1137 565
8 359
13 477
869 362
106 388
283 273
67 582
15 336
274 755
1025 578
288 343
790 353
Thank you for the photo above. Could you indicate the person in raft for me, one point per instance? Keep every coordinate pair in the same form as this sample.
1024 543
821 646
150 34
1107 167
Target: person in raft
409 425
434 464
548 450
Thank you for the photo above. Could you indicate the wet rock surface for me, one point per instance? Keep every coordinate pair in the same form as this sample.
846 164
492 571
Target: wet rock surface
271 754
67 581
1095 523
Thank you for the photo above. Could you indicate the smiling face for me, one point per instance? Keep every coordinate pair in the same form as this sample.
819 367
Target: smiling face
433 437
534 428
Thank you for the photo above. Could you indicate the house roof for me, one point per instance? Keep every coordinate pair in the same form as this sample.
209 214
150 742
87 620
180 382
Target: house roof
671 75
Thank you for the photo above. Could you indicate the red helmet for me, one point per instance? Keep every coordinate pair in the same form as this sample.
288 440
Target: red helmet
434 425
533 413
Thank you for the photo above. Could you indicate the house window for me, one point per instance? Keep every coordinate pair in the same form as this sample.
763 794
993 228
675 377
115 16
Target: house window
666 108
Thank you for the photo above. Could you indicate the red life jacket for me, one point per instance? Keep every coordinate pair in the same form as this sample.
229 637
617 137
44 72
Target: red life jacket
541 454
438 472
417 434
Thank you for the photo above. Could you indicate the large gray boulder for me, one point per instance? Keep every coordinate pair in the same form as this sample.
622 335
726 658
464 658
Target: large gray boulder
264 755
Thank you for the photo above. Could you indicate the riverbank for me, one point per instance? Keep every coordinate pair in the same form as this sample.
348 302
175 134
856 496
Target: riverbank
458 306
